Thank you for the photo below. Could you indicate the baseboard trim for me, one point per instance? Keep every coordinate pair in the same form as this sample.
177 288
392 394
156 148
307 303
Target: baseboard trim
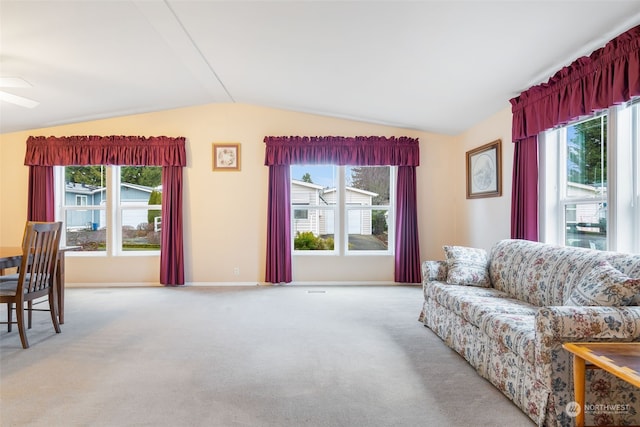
343 283
112 285
295 283
223 284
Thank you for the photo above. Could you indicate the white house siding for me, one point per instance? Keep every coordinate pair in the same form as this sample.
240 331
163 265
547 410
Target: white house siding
358 221
327 222
585 211
134 218
305 194
322 221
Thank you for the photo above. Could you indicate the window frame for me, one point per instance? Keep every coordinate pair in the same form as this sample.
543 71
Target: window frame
341 211
81 200
112 207
623 165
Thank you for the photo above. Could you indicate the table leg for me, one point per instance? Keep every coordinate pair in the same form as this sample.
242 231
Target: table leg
578 387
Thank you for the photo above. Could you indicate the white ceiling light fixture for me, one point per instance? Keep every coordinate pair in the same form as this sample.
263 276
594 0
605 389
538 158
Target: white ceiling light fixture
15 99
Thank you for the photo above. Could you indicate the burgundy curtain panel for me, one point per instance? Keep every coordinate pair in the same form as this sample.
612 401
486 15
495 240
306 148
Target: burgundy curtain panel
40 206
407 260
283 151
45 152
171 245
524 218
278 227
609 76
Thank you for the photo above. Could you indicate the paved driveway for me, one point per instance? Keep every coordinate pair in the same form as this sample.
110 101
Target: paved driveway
368 243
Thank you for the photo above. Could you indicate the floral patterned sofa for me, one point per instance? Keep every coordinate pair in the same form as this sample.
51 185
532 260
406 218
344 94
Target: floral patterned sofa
508 314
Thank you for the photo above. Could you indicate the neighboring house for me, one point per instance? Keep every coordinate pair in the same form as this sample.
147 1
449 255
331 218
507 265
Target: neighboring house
589 212
305 194
585 220
76 194
93 195
321 221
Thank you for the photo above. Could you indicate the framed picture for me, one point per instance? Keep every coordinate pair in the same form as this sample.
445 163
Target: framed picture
226 156
484 171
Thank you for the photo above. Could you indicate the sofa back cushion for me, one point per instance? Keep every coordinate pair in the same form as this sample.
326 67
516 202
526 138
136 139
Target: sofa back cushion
545 275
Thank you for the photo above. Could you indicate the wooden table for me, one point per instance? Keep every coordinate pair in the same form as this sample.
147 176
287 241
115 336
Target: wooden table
11 256
621 359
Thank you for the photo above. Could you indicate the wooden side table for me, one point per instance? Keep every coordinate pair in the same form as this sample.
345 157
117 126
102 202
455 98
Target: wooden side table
621 359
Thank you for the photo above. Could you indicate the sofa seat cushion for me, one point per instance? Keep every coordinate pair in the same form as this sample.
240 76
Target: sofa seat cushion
515 332
475 303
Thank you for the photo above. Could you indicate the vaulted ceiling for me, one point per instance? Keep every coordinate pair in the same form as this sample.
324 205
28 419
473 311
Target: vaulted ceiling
436 66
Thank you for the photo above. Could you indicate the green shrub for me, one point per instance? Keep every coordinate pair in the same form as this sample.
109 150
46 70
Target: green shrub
155 198
307 241
378 223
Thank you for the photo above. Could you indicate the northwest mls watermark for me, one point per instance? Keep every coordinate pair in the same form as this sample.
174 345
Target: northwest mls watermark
573 408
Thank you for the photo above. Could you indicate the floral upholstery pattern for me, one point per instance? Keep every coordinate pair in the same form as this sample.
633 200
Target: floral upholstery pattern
605 285
474 304
434 270
557 325
512 332
545 275
467 266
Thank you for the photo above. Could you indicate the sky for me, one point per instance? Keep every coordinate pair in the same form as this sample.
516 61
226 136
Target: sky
320 174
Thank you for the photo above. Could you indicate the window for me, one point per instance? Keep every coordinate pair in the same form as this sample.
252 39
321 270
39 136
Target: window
589 181
584 178
110 209
342 209
300 213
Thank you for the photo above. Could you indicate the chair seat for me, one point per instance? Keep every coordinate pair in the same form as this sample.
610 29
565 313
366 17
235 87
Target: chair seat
8 289
15 277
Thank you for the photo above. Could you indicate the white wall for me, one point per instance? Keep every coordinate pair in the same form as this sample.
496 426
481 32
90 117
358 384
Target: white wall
482 222
225 212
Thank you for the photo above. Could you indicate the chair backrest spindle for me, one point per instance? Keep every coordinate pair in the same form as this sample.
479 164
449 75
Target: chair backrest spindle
38 266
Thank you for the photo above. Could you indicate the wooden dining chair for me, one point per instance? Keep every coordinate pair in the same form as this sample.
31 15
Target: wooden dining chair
36 277
14 276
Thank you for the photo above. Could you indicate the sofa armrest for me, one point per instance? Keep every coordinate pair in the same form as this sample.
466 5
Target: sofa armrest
434 270
431 271
553 370
561 324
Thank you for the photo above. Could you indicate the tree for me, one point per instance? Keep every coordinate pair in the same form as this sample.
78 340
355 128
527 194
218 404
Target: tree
307 178
372 178
89 175
587 151
149 176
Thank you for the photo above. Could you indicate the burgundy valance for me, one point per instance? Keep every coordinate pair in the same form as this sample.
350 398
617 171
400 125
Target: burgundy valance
339 150
105 150
609 76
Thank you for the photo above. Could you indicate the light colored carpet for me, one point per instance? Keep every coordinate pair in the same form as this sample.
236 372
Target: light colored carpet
242 356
